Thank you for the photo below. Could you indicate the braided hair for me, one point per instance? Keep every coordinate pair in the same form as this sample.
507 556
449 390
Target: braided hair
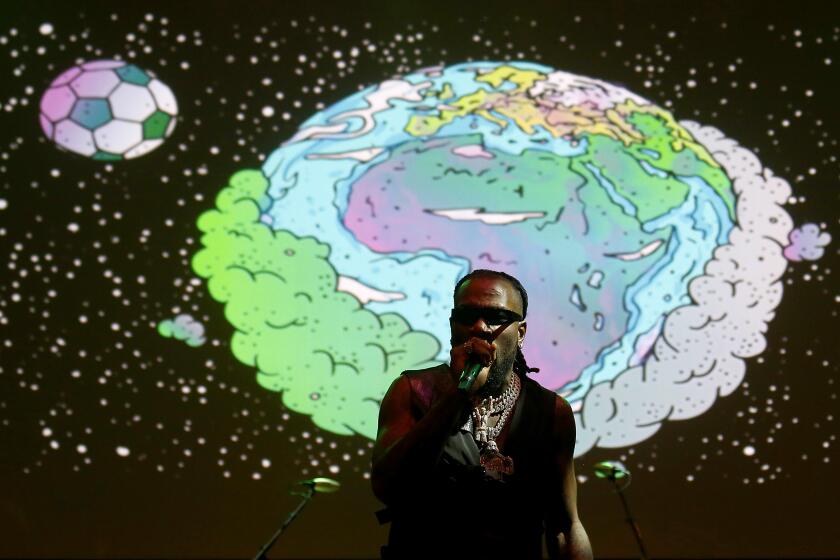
520 366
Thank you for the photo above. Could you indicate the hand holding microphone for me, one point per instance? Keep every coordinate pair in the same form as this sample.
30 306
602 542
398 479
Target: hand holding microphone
470 363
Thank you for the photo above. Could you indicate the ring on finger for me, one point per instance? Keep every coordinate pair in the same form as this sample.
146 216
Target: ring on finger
468 347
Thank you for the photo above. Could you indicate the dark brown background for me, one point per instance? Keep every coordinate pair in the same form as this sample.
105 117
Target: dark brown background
52 504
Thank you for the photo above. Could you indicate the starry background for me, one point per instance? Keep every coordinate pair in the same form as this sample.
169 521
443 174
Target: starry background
117 442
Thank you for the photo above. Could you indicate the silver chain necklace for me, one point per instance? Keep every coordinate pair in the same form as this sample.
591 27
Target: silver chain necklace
480 417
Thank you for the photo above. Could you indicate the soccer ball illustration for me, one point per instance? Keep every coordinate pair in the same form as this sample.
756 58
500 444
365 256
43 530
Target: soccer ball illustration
108 110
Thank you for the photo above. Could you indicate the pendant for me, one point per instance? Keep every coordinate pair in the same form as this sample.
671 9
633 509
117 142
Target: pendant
494 462
481 417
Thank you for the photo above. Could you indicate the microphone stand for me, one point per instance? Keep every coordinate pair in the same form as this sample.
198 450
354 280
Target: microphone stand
630 520
307 495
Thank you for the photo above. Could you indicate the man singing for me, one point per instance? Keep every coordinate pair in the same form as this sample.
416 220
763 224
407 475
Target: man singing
478 467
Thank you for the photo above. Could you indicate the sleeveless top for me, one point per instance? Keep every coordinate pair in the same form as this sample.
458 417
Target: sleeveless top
458 509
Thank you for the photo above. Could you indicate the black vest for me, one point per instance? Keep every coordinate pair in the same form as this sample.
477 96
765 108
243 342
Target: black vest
458 510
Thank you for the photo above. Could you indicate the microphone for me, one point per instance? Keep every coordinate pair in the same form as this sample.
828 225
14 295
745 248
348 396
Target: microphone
465 382
612 470
314 485
321 485
468 376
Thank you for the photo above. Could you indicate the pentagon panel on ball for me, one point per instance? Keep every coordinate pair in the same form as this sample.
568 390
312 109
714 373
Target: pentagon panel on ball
91 113
57 103
96 84
108 110
118 136
163 97
74 137
156 125
133 75
132 102
67 76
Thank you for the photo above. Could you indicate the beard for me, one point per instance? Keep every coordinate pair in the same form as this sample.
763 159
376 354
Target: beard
498 374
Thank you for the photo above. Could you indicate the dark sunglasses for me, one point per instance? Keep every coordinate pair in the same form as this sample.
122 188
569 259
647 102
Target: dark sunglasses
493 316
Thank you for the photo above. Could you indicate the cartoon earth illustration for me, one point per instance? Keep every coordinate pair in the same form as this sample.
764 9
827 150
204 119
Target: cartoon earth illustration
651 249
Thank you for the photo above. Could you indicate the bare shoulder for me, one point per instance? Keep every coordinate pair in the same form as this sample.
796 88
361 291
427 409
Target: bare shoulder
399 409
428 385
562 408
394 415
564 421
398 394
409 387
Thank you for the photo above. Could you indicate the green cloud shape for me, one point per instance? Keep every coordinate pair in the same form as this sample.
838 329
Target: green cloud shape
329 357
184 328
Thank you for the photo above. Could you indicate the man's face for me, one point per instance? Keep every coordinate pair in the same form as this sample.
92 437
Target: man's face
488 302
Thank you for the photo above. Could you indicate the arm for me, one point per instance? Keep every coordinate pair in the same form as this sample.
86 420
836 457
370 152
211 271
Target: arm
405 446
571 541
